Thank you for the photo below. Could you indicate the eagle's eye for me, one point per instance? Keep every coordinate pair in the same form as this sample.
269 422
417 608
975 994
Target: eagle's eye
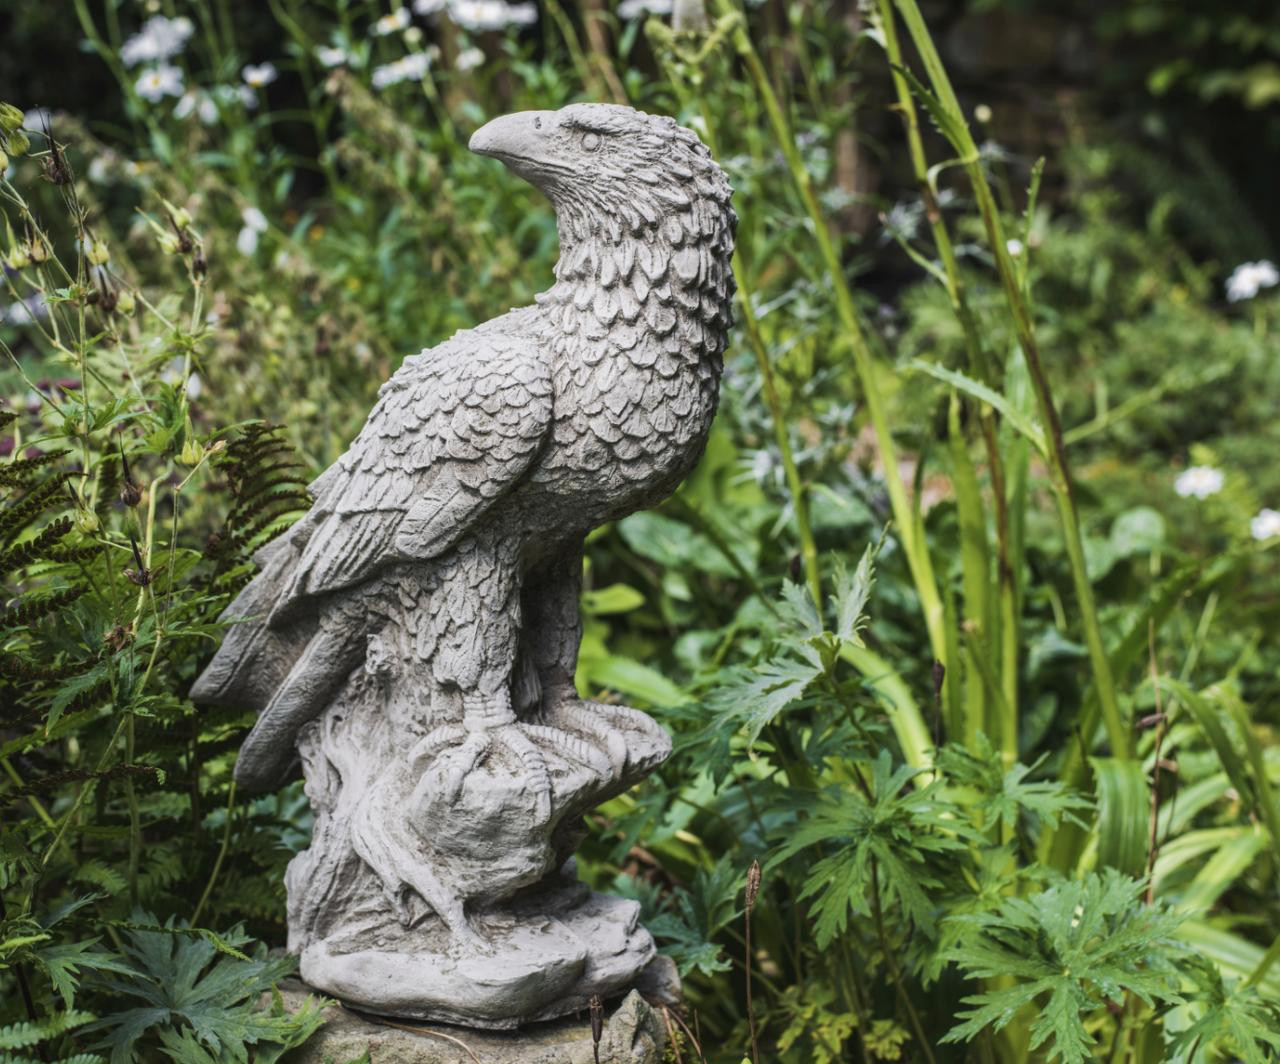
590 141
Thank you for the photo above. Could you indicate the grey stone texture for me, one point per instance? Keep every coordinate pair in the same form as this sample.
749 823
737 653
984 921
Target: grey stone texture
412 641
633 1034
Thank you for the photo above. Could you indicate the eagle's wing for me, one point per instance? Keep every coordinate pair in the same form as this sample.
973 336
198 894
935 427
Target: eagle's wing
452 430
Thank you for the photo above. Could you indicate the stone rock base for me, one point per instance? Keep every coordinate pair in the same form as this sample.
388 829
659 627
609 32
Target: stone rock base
633 1034
535 965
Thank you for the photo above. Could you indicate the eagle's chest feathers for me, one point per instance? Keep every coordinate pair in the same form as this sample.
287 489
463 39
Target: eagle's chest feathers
637 326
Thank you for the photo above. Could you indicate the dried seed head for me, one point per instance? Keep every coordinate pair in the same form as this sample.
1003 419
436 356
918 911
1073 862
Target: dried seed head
141 577
939 675
753 885
596 1007
54 166
130 494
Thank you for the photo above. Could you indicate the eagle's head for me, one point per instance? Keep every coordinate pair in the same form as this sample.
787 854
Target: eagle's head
609 170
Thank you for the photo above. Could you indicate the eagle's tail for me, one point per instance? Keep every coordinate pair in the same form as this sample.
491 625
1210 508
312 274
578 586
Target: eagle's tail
286 672
254 658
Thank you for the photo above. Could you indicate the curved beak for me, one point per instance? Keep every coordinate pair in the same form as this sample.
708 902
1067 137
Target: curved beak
518 140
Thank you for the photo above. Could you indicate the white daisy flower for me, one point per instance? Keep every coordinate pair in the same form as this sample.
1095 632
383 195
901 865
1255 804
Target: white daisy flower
469 59
160 38
632 9
428 7
260 76
480 16
332 57
254 219
397 20
36 118
1265 524
159 82
1199 482
1250 278
412 67
100 168
247 241
416 65
199 103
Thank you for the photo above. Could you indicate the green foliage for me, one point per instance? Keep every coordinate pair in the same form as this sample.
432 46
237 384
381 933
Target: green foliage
1068 950
203 998
909 735
891 845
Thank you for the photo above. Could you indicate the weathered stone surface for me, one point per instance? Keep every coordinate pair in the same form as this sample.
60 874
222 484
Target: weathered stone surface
633 1034
412 641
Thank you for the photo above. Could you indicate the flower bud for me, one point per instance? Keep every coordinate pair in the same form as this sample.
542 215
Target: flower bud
98 253
10 117
17 142
4 162
170 244
38 250
192 452
180 216
86 521
18 259
125 303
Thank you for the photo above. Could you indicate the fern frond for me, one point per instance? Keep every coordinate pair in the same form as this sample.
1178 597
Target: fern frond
17 517
32 607
18 471
36 548
31 1033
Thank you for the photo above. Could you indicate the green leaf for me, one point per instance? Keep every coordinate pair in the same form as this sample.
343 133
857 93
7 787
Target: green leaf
616 598
195 989
1065 953
977 390
901 839
1237 1021
1124 810
852 592
27 1034
687 930
752 698
635 679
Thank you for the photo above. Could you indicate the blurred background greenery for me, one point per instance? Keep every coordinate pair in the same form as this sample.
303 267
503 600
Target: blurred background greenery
263 207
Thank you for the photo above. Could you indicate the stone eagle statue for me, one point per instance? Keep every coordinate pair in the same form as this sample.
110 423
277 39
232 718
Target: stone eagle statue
413 639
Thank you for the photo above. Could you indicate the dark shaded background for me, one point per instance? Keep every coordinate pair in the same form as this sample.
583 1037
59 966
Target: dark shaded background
1195 83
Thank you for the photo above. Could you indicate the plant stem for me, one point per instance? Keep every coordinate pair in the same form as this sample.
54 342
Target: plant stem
777 414
895 973
222 853
910 527
751 1008
135 822
1059 468
980 365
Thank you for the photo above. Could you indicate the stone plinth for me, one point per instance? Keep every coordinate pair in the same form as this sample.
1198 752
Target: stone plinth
633 1034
